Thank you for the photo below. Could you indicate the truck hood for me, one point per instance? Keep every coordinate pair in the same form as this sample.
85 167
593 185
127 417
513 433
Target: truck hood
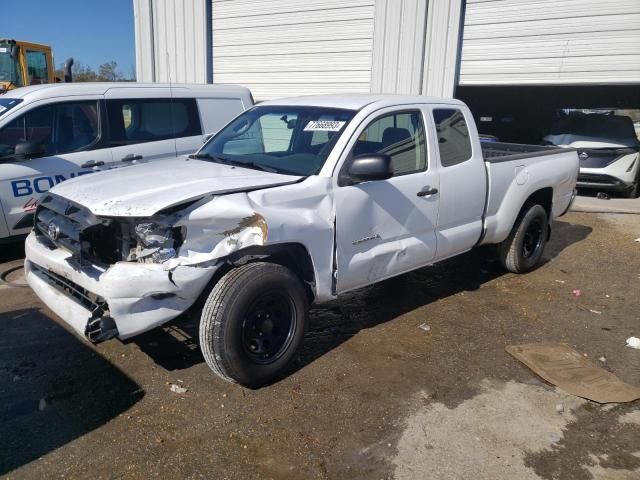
145 189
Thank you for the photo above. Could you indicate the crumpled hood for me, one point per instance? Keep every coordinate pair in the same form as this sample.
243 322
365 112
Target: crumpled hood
145 189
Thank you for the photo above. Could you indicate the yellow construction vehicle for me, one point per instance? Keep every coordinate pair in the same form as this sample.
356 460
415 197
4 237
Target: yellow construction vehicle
25 63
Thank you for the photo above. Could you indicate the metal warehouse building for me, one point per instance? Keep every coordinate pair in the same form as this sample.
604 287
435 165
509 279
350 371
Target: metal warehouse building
511 60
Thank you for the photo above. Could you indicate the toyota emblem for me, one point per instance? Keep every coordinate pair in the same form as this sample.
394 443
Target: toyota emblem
53 230
584 155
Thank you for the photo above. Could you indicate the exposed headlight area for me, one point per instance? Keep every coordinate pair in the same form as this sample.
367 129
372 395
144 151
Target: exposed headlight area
131 240
106 241
155 242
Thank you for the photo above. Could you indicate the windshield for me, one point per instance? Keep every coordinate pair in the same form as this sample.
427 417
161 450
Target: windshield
7 104
595 125
8 67
290 139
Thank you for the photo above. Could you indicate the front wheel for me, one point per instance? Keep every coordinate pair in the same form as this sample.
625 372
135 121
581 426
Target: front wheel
633 191
253 323
521 251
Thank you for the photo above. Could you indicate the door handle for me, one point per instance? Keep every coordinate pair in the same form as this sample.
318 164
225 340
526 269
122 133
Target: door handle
92 163
131 158
427 191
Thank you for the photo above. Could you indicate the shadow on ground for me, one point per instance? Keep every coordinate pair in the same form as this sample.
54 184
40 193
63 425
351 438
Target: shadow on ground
175 346
11 251
53 388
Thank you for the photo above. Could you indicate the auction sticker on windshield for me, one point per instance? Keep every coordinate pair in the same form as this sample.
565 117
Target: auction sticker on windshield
324 125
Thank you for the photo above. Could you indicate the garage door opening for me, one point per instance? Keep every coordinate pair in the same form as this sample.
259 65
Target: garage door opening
523 114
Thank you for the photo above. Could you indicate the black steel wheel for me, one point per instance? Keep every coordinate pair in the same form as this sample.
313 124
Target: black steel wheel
522 250
253 323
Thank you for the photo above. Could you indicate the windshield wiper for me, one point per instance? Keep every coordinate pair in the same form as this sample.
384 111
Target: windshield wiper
254 165
238 163
207 156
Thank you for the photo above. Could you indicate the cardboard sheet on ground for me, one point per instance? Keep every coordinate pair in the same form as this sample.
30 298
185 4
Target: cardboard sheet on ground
562 366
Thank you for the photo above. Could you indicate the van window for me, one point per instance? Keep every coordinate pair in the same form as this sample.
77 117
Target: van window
61 128
453 136
149 120
399 135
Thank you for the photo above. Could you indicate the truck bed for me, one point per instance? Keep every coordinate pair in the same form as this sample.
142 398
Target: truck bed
494 152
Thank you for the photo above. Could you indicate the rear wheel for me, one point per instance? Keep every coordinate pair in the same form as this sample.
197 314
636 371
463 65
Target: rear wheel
521 251
253 323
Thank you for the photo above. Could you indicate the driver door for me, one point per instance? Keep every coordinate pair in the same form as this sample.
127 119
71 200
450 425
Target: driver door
387 227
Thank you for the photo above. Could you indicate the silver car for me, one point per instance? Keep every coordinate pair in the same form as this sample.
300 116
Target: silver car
607 147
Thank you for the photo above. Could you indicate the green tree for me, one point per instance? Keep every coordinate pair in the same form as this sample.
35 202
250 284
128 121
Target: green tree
107 72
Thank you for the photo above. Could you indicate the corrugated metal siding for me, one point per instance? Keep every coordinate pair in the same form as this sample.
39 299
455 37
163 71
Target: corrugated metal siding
398 46
551 42
171 40
293 47
440 69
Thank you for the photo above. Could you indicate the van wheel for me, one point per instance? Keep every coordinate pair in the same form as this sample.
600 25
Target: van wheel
253 323
521 251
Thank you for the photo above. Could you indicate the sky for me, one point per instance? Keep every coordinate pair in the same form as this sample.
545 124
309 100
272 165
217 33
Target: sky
91 31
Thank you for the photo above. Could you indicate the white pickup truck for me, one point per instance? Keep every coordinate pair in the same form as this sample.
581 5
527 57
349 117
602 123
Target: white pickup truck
294 202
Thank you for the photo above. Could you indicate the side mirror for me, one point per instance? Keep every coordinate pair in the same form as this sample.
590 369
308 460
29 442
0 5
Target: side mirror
366 168
26 150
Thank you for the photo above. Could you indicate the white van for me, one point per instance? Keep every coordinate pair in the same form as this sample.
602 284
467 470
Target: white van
49 133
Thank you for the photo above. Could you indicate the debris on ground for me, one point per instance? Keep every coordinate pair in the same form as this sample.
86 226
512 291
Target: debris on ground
597 312
560 408
633 342
425 327
603 196
576 292
637 240
603 360
562 366
177 388
561 281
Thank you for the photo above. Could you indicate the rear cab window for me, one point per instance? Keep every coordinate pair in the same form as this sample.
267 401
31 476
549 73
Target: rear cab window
148 120
454 143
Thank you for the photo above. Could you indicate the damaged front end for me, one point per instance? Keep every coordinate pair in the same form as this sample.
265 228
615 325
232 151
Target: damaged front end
110 277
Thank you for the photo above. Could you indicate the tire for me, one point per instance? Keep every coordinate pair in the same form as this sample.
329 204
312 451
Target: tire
253 322
521 251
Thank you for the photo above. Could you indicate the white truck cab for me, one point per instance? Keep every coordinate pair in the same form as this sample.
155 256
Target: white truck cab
50 133
293 202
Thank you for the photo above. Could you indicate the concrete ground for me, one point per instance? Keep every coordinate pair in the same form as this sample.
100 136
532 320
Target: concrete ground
589 202
372 395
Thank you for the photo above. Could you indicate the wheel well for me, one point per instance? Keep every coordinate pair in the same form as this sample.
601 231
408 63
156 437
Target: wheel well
294 256
543 197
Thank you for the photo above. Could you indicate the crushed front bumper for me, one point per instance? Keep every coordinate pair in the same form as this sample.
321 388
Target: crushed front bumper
123 300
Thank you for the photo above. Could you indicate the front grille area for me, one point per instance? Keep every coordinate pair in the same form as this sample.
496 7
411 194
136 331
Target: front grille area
62 222
77 230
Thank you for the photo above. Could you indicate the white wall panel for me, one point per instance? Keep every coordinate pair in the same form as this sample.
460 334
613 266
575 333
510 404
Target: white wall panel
398 46
442 50
171 40
551 42
293 47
